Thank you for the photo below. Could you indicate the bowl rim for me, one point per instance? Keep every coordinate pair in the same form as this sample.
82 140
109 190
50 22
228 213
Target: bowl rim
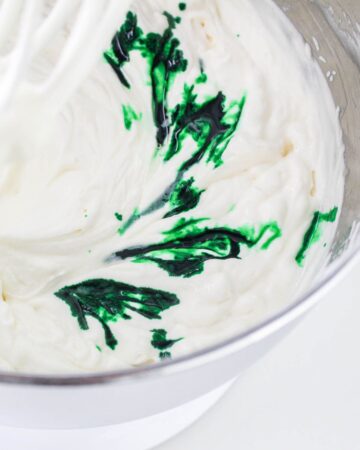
256 333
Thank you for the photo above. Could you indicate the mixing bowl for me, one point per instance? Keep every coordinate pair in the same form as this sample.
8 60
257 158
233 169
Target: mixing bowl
331 29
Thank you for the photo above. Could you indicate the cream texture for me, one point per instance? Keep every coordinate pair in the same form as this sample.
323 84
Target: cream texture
66 175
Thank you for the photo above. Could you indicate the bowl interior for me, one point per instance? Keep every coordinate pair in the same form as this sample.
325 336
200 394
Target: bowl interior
332 30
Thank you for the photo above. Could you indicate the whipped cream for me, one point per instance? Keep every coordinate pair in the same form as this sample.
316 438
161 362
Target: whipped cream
105 202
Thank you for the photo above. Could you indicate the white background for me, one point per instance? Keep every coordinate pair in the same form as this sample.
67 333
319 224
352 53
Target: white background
305 395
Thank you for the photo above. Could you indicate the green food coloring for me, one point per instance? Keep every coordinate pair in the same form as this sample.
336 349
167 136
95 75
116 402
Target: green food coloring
165 61
313 233
108 301
124 42
190 244
130 116
161 342
184 197
210 124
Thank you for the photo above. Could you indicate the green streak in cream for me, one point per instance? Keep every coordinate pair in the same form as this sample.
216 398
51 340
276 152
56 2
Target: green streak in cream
313 233
201 79
160 342
109 301
184 197
135 216
211 124
165 61
190 244
118 216
130 116
124 42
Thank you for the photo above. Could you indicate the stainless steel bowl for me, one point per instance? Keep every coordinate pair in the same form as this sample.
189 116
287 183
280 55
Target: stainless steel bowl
332 29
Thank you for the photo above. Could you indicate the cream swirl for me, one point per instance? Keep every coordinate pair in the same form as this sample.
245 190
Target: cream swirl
100 157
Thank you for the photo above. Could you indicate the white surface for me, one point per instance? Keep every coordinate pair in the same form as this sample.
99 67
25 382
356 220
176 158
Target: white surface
138 435
305 395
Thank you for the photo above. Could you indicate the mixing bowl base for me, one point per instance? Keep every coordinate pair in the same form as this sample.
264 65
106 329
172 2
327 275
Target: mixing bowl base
142 434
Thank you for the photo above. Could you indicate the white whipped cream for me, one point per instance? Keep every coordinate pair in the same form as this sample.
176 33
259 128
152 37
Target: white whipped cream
63 177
